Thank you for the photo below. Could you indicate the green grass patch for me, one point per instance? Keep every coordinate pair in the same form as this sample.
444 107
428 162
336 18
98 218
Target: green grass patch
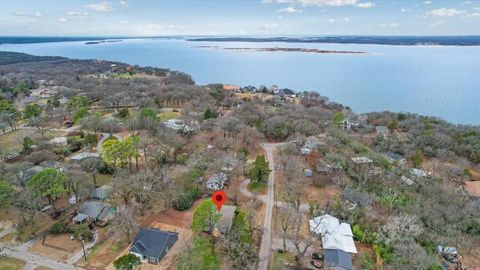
7 263
103 179
280 259
202 255
165 116
257 187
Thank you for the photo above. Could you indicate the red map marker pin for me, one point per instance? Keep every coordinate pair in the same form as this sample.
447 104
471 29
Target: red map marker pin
219 198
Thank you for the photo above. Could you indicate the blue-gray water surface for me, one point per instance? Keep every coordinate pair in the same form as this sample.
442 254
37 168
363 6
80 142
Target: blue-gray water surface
442 81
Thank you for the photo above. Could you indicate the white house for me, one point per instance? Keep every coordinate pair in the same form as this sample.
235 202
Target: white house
418 173
336 235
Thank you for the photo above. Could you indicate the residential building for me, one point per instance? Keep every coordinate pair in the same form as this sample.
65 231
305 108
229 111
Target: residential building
225 223
217 181
382 131
335 235
151 245
418 173
396 158
335 259
96 211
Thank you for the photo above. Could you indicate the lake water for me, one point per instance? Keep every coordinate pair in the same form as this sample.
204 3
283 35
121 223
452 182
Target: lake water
429 80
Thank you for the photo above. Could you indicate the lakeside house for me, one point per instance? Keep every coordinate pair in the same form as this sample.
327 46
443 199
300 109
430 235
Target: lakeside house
151 245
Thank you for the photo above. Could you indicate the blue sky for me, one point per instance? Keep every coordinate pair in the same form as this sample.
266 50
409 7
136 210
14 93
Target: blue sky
240 17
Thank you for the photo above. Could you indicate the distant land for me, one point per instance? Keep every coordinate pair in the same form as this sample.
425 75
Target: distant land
280 49
41 39
380 40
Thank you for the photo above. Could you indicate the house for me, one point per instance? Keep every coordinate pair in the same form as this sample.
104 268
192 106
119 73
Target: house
407 180
11 157
231 87
228 212
151 245
84 155
361 160
95 210
178 125
418 173
101 193
396 158
217 181
382 131
347 123
311 143
58 141
335 234
335 259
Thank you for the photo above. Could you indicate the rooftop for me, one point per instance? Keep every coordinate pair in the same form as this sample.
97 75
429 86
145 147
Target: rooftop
361 160
152 242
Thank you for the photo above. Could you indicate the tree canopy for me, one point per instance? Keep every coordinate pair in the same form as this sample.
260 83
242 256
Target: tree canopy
260 170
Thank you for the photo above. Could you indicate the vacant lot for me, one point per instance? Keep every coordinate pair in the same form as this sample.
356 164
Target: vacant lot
7 263
165 116
58 247
12 141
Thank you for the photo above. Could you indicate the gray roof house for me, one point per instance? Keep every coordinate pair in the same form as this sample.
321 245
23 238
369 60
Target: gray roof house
100 193
394 157
151 244
226 220
217 181
335 259
96 210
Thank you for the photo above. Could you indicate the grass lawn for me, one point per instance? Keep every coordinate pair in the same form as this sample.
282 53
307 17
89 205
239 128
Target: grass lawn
12 141
103 179
280 259
7 263
204 258
165 116
257 187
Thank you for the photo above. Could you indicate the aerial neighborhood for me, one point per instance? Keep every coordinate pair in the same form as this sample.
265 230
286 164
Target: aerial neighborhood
105 165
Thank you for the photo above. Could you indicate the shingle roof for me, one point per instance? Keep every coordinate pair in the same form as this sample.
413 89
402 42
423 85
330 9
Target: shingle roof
337 260
153 242
226 220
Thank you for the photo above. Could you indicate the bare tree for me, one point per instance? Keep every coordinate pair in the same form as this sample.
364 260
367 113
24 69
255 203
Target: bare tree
299 241
125 222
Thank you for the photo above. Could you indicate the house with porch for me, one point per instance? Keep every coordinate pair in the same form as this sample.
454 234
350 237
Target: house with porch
151 245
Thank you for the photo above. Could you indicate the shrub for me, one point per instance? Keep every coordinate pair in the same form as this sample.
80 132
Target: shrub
83 232
185 200
182 158
383 251
59 228
127 262
124 113
75 143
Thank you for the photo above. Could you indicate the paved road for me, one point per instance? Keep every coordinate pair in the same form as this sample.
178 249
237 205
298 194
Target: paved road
304 207
266 246
34 260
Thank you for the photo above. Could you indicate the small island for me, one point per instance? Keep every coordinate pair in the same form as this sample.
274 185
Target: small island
284 49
